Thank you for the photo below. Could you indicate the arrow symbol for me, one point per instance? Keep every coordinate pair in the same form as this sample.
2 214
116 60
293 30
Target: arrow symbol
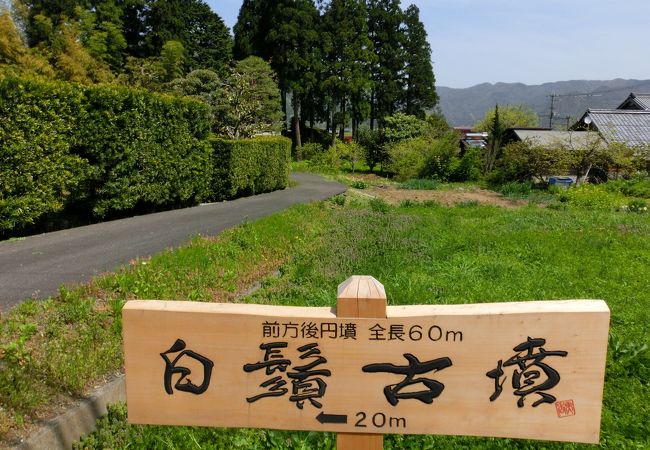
332 418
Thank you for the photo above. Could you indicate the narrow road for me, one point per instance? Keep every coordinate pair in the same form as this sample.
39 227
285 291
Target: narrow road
36 266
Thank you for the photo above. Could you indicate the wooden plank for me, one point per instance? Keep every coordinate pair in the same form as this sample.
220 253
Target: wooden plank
474 337
370 301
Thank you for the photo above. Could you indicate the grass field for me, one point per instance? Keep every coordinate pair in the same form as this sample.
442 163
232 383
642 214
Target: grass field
422 253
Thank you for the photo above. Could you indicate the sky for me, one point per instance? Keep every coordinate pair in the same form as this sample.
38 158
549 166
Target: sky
527 41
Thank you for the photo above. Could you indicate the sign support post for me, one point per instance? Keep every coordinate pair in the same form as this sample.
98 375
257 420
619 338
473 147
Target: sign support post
365 297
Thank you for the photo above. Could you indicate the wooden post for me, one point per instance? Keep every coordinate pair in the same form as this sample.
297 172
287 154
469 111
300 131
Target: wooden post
360 296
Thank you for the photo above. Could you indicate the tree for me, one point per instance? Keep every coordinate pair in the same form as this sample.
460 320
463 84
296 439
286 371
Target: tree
101 32
252 29
510 116
172 57
385 30
284 33
420 92
495 137
202 32
12 48
204 85
249 102
347 55
71 60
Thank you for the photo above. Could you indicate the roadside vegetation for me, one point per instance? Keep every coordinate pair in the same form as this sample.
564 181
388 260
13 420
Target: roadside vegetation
423 253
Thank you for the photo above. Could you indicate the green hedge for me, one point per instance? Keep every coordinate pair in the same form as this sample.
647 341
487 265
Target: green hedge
38 171
250 166
103 150
145 150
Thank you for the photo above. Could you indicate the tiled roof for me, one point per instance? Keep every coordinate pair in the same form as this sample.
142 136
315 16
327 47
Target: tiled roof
572 139
636 102
630 127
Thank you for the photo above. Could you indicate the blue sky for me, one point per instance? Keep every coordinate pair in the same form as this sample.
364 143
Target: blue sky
528 41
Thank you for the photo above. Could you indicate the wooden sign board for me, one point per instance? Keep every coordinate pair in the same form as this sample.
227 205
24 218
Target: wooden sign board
522 370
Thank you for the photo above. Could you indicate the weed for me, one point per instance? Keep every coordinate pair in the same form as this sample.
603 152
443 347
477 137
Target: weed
379 205
338 200
468 204
421 184
359 184
515 189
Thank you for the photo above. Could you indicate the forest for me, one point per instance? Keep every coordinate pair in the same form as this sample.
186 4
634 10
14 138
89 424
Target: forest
337 63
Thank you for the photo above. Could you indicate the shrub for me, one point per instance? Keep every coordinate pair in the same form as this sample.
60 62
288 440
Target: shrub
634 187
441 160
372 142
39 173
469 168
352 153
423 158
308 151
250 166
146 150
527 161
408 159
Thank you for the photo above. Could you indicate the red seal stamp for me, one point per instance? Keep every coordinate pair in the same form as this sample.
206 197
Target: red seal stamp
565 408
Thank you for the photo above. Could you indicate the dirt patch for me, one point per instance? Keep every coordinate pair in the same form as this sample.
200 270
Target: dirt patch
450 197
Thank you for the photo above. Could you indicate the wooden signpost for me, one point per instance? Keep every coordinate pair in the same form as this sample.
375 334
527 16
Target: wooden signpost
530 370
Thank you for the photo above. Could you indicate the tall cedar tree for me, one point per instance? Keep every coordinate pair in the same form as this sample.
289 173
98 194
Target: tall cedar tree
252 29
204 35
348 55
385 29
133 25
420 93
284 33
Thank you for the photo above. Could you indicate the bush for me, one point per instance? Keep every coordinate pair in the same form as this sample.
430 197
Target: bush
408 159
527 161
372 142
308 151
39 171
107 149
147 151
250 166
634 187
469 168
423 158
442 162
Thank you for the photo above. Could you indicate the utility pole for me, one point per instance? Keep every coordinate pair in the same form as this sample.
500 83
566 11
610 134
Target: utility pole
554 96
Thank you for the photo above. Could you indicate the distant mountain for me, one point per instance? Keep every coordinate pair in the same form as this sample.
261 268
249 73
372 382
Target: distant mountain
466 106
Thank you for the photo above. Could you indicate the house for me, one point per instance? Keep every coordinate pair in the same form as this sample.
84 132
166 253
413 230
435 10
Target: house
470 139
627 126
546 137
636 102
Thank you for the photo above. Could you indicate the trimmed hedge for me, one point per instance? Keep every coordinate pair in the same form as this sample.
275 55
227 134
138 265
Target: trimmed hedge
146 151
106 150
38 172
250 166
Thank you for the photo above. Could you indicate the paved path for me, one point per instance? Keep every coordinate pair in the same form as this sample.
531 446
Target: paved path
38 265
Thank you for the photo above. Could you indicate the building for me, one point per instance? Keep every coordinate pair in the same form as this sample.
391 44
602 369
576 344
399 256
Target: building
630 127
628 124
636 102
545 137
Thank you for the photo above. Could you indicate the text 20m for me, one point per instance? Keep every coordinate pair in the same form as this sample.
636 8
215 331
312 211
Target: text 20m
378 420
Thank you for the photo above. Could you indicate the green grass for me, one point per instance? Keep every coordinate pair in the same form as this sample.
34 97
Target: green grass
423 254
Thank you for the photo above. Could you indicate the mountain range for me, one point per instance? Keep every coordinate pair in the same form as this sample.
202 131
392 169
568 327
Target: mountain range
463 107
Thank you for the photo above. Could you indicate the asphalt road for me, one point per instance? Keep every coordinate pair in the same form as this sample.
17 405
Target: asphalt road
36 266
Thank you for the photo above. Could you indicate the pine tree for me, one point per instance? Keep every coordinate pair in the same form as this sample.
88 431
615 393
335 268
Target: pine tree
420 92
